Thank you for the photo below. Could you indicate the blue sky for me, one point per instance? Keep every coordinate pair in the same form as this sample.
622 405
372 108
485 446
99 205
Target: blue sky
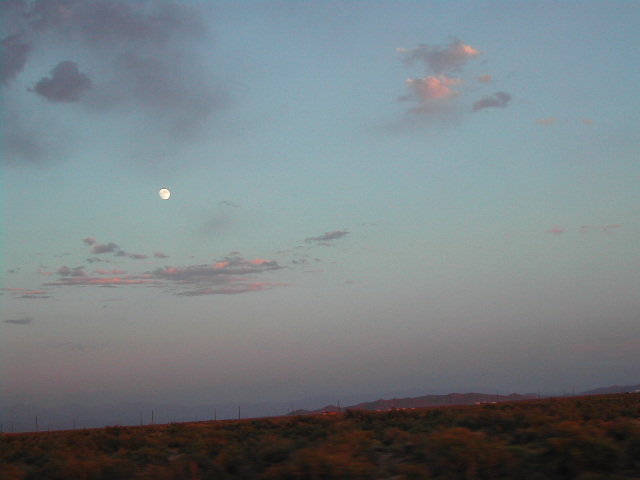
366 197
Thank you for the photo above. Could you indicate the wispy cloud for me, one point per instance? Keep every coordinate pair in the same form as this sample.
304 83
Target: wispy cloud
228 276
140 279
556 230
328 236
599 228
546 121
440 59
30 294
232 275
19 321
239 287
77 346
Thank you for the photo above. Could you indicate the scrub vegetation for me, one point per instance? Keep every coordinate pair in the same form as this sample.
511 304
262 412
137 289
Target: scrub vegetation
583 438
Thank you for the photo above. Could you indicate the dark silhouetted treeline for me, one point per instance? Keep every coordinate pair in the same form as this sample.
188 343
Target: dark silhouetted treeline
583 438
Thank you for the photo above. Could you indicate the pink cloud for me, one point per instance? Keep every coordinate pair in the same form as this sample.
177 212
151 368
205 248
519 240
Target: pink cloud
257 261
430 88
485 79
440 59
588 121
556 230
20 292
546 121
231 275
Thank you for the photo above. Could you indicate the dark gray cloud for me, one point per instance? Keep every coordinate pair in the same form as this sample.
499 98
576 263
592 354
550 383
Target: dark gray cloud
19 321
328 236
215 223
65 271
160 255
78 346
66 84
19 145
134 56
497 100
220 270
34 296
13 57
110 247
101 22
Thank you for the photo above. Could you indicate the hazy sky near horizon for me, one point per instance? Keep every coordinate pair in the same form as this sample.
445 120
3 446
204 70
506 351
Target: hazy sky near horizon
365 196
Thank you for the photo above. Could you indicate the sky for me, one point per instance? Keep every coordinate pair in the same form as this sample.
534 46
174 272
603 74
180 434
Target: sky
365 197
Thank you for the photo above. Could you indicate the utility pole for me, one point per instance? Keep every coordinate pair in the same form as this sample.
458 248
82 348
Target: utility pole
152 417
36 423
238 412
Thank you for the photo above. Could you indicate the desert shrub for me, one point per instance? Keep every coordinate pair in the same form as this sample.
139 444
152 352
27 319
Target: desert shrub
312 464
573 450
458 452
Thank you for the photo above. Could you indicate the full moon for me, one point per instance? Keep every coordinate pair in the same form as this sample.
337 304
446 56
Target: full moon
164 193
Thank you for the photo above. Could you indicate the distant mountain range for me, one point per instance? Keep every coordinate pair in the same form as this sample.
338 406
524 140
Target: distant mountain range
614 389
28 418
424 401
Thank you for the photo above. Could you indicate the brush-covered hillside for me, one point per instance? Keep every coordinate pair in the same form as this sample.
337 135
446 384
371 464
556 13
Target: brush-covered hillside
584 438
